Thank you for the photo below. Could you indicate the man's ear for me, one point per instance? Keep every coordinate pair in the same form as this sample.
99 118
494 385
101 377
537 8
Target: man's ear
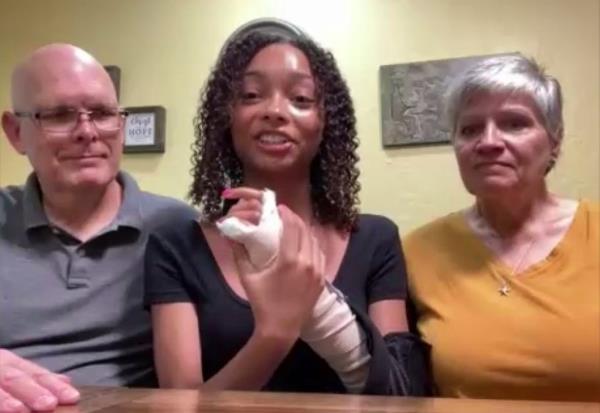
12 129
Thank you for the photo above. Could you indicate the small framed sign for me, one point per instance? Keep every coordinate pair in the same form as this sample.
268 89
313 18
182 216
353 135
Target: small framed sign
145 130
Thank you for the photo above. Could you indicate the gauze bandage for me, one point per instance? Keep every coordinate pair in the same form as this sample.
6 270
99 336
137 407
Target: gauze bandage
332 330
261 241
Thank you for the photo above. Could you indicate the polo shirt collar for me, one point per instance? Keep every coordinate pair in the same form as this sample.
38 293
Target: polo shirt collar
129 214
34 215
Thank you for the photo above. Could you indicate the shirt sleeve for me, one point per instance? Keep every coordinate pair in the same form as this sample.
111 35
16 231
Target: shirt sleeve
387 279
163 272
399 363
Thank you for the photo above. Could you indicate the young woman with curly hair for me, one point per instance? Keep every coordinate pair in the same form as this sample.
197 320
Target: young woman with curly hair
276 113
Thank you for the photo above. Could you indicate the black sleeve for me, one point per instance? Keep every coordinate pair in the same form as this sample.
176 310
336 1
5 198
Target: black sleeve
387 279
410 365
400 362
163 271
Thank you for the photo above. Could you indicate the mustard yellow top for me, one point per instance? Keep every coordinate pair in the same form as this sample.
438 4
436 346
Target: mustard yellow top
542 341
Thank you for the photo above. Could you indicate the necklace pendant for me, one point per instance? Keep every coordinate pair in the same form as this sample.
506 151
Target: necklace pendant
504 290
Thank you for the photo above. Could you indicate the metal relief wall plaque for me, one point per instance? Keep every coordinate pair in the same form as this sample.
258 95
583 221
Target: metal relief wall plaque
412 100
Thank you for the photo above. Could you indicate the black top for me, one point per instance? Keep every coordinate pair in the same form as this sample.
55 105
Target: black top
180 267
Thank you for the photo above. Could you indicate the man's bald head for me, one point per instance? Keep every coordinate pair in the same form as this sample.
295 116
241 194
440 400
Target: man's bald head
49 65
55 80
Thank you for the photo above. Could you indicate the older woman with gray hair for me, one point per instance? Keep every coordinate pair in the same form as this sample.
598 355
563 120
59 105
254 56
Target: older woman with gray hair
507 291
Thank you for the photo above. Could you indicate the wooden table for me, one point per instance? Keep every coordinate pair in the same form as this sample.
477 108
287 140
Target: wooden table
120 400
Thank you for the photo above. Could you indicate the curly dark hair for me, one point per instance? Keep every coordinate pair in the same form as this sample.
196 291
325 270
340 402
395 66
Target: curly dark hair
215 165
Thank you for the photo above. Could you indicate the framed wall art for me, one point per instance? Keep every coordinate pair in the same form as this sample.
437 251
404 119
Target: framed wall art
145 129
412 100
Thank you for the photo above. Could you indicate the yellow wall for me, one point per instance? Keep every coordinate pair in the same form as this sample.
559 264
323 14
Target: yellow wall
166 47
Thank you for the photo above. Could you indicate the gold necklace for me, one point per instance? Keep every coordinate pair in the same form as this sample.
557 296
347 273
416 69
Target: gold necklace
505 289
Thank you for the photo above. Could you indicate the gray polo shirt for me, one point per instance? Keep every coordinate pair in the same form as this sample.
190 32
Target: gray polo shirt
73 307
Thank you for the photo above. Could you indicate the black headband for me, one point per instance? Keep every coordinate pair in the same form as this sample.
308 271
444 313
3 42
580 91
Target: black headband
266 25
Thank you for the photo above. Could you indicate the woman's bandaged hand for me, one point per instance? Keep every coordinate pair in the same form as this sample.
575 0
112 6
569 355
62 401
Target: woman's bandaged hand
331 330
261 241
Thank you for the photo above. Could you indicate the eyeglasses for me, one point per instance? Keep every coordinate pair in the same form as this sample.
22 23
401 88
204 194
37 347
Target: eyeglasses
66 120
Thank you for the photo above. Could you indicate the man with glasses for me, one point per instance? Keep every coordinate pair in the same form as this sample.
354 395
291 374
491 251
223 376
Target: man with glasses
64 120
71 239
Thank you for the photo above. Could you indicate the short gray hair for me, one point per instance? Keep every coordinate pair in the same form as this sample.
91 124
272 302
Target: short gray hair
511 74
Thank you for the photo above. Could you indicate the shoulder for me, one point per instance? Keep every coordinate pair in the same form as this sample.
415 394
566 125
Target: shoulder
378 226
153 209
175 232
11 202
590 212
592 208
439 231
159 210
435 251
175 225
11 195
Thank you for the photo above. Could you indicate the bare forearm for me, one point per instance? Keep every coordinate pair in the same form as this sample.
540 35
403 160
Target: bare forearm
254 364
